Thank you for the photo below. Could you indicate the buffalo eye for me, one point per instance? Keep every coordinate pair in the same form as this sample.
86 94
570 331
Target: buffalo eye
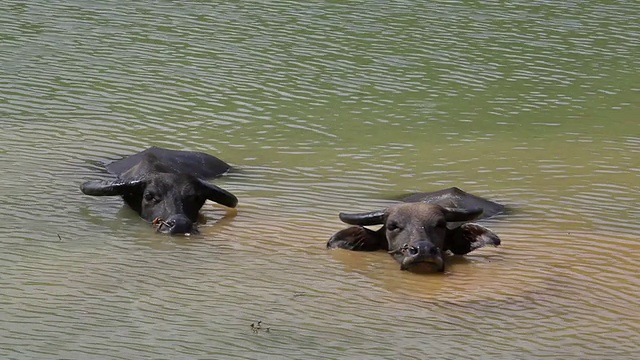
149 196
393 226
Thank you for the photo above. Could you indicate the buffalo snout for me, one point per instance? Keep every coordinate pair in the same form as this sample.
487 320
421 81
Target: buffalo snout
175 224
419 256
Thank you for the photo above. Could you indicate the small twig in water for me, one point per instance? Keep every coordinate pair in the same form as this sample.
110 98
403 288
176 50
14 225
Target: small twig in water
159 223
256 327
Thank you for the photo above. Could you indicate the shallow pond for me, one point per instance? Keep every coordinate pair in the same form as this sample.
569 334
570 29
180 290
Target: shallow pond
321 107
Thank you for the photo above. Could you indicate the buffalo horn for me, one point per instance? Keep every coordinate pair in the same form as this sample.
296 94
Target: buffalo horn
363 219
219 195
109 188
460 215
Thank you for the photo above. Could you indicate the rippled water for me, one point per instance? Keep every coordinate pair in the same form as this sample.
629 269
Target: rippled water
321 107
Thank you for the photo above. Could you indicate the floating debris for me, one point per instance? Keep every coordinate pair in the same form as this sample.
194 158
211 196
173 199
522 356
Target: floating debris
158 223
257 327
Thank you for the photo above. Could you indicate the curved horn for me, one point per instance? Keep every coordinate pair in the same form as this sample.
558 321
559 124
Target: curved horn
219 195
110 188
363 219
460 215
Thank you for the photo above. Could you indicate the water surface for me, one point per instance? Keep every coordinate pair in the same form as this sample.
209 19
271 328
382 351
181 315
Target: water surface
321 107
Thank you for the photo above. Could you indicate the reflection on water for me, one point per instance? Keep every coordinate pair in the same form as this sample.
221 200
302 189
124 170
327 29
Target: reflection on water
321 108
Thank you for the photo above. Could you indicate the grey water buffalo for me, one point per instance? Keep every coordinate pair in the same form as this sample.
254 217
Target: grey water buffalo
165 187
422 229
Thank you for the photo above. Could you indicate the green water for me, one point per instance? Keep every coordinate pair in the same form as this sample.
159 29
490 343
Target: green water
321 107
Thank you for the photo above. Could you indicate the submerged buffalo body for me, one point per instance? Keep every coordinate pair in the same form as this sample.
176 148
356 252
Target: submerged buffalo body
418 232
166 187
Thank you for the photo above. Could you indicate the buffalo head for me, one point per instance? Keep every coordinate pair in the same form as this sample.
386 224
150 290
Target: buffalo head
416 234
171 200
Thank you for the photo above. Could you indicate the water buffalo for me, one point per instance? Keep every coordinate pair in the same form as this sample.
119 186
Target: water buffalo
418 232
165 187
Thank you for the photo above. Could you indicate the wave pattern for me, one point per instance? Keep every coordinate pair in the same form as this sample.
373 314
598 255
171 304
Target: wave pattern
321 107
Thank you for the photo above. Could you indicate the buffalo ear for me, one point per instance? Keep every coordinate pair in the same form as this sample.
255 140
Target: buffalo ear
461 215
111 188
358 238
219 195
363 219
468 237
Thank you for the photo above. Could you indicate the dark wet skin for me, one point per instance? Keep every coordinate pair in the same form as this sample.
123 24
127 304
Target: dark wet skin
417 234
160 186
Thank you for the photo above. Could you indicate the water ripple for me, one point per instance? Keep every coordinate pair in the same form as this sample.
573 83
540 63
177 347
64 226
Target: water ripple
321 108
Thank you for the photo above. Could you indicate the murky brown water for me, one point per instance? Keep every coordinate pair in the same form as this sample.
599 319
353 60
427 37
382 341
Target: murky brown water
321 107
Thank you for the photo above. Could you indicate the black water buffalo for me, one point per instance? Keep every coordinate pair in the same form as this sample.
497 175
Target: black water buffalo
166 187
418 232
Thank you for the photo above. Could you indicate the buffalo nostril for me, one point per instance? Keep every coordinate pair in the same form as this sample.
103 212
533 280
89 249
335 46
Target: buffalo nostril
433 251
412 250
179 224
